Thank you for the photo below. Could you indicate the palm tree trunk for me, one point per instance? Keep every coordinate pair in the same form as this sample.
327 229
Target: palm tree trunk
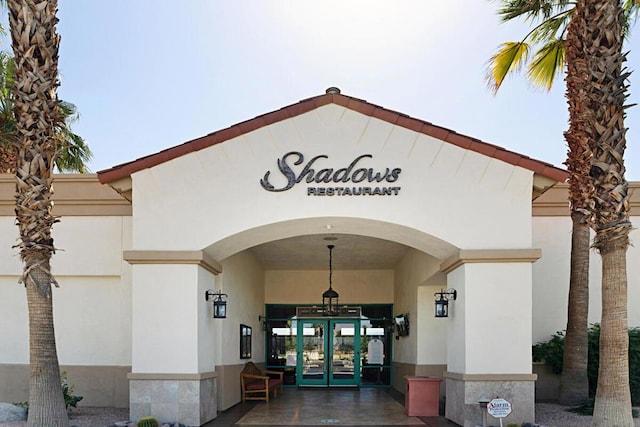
574 381
35 46
606 94
45 390
613 398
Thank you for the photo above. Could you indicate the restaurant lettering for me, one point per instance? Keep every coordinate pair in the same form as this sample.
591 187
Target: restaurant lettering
370 182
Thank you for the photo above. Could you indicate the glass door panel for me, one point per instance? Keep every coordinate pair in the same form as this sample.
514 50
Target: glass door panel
345 352
312 368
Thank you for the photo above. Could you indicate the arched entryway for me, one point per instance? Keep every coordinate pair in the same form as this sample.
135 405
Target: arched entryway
378 276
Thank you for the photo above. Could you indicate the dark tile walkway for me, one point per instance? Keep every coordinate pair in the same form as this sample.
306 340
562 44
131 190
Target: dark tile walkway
321 407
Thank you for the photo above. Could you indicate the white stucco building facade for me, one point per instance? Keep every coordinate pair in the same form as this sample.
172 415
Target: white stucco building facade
249 211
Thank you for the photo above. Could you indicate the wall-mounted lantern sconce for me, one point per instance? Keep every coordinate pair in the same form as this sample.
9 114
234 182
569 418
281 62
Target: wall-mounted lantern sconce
263 321
442 303
219 303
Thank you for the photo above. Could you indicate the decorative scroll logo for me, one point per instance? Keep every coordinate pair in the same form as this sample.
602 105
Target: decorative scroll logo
294 169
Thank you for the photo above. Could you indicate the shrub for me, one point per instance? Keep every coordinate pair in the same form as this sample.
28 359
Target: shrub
551 353
69 399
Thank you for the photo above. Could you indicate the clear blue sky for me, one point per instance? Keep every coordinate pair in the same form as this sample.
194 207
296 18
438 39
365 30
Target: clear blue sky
147 75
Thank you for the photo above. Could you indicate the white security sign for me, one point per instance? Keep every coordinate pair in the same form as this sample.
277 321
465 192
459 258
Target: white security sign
499 408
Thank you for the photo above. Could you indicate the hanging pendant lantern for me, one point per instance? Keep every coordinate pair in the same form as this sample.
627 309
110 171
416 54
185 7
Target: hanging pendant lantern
330 297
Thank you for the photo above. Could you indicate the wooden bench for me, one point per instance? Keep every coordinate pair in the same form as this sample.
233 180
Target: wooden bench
257 384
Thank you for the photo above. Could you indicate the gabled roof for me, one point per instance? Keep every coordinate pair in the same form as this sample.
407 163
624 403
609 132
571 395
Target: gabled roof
333 96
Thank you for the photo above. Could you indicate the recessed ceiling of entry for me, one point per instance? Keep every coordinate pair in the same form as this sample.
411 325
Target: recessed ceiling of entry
351 252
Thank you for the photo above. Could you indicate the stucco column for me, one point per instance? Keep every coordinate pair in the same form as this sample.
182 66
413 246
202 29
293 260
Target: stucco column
490 333
173 361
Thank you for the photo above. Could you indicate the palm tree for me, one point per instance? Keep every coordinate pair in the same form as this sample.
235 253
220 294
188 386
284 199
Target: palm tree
574 381
73 153
606 93
558 34
35 45
558 38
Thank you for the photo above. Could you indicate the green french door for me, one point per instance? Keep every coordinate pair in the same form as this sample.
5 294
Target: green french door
328 352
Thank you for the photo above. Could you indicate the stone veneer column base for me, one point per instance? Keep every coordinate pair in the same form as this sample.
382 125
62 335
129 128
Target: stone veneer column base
189 399
464 391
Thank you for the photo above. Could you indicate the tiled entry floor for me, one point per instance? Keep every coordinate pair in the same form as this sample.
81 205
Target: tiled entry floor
321 407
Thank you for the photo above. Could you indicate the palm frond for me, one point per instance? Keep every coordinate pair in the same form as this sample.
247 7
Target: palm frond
555 16
532 10
547 63
73 151
631 9
552 28
8 134
7 73
510 58
513 9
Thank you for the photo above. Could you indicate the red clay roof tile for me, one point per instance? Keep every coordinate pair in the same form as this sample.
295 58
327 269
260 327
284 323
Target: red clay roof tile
436 131
361 107
410 123
486 149
461 141
385 115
